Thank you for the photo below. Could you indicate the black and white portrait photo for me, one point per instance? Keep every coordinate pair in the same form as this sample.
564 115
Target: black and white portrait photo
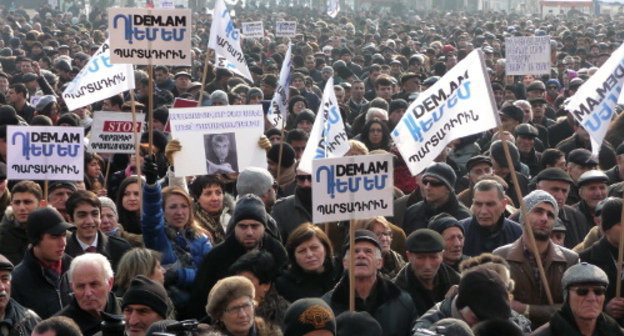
221 156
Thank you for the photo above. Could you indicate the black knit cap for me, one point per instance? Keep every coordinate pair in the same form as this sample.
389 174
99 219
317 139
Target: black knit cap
288 155
307 315
144 291
250 206
357 323
611 212
485 293
424 241
442 221
442 172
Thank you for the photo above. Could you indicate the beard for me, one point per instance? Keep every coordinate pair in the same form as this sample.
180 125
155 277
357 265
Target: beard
541 236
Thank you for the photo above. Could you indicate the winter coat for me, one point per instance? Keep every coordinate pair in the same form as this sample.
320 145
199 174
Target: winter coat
289 213
295 284
111 247
603 255
89 324
21 319
563 324
478 239
13 238
417 216
392 308
575 223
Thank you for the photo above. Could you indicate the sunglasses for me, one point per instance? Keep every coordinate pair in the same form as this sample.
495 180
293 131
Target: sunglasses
433 183
303 178
583 291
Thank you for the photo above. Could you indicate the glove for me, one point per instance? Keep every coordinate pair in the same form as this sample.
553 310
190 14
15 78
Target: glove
150 169
172 147
264 143
171 278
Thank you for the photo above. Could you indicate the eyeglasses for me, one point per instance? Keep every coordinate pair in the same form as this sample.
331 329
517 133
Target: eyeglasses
247 308
583 291
433 183
384 233
303 178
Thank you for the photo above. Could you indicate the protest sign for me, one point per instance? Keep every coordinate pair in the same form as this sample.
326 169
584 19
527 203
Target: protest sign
180 103
352 187
150 36
527 55
253 29
45 153
218 139
225 40
99 79
285 28
112 132
594 102
278 110
459 104
333 7
328 138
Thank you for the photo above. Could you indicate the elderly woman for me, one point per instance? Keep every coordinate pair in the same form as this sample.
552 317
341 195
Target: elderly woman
110 223
232 310
311 272
393 262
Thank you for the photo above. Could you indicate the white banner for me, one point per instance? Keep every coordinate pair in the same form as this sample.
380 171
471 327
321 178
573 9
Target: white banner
593 103
278 110
352 187
225 40
459 104
328 138
45 153
333 7
285 28
112 132
527 55
253 29
99 79
141 36
217 139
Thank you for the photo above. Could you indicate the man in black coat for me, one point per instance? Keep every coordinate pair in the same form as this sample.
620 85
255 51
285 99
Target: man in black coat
248 234
39 281
84 209
17 319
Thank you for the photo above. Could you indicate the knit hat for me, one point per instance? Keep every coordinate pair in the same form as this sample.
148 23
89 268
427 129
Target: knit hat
442 172
144 291
108 203
451 327
53 185
553 82
357 323
584 273
45 220
44 101
288 155
443 221
308 315
5 264
536 197
611 212
483 291
250 206
254 180
219 96
424 241
226 290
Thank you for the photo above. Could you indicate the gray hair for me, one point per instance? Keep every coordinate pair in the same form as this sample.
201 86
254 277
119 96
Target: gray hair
374 110
487 185
91 259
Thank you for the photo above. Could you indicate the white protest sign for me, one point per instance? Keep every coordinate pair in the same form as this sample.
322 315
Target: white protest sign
225 40
328 138
285 28
217 139
253 29
527 55
593 103
459 104
333 7
278 110
99 79
45 153
141 36
352 187
112 132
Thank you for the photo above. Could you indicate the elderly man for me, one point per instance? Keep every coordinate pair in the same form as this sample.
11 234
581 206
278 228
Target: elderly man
584 286
529 299
488 228
19 320
426 278
438 184
592 188
579 161
452 232
476 166
144 303
91 279
385 301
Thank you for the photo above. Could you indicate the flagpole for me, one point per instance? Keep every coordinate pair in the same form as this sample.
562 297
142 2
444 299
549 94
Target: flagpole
618 283
281 150
137 149
204 78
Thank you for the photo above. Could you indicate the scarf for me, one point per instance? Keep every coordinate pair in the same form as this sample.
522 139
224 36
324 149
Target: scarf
210 222
287 177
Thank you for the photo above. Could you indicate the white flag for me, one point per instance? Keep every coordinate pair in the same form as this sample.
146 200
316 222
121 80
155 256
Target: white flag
99 79
333 7
278 110
459 104
592 105
328 138
225 40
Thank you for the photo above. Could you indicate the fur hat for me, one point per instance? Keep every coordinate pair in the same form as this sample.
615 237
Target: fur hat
226 290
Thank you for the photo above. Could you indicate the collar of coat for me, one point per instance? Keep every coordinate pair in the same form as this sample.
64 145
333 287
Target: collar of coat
516 252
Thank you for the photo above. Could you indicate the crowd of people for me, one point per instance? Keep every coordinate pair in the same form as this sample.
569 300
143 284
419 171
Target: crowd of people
236 249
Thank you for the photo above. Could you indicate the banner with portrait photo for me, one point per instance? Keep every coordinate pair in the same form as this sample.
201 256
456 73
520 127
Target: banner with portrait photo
217 139
45 153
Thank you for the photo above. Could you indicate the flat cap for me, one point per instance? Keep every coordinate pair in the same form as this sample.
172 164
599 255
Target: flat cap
363 235
513 112
475 160
554 174
582 156
424 241
526 130
584 273
592 176
536 85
